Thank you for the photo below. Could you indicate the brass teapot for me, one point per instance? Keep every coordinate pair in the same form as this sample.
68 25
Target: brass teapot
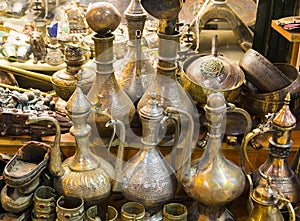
212 180
84 174
276 165
267 201
146 178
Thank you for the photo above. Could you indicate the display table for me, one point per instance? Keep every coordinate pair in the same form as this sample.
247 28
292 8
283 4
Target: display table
293 37
237 207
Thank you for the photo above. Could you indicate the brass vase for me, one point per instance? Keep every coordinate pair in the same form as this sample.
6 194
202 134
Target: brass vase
105 93
64 81
213 181
135 72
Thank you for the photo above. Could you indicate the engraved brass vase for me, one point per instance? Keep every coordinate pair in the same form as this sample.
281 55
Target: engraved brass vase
213 181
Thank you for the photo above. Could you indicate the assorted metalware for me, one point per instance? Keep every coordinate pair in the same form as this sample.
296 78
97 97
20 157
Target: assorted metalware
164 98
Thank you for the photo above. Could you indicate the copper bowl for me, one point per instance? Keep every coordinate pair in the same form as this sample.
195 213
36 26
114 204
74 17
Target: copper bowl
260 104
199 93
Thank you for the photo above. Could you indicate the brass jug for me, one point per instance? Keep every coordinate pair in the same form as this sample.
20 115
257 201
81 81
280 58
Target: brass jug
213 181
104 18
276 166
135 72
84 174
267 200
147 178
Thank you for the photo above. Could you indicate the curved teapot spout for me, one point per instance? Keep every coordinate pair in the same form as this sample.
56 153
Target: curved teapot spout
117 183
55 164
185 159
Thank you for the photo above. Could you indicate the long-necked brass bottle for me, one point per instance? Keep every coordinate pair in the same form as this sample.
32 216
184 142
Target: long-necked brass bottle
276 165
134 73
104 18
213 181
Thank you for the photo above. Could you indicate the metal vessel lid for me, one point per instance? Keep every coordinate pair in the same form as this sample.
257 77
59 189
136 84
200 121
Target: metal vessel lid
78 102
284 118
205 70
152 110
265 194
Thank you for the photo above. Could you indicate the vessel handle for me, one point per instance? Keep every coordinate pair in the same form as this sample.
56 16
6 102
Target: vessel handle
261 129
167 117
282 199
185 159
55 165
117 183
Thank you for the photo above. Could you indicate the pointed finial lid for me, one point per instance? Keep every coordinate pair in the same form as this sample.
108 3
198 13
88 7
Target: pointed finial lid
152 110
285 118
78 102
135 8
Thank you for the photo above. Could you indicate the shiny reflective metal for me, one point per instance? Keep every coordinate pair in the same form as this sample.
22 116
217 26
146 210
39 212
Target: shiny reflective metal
276 165
106 93
65 80
220 9
146 178
92 214
135 72
200 73
84 174
267 200
213 181
175 212
70 209
132 211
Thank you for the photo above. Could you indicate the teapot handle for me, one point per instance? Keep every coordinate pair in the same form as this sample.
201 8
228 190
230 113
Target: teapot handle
261 129
176 136
287 202
117 183
185 160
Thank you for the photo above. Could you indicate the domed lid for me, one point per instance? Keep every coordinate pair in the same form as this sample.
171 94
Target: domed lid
78 102
205 70
265 194
285 118
152 109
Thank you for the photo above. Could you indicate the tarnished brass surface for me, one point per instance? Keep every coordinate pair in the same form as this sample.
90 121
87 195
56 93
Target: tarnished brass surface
261 73
103 17
65 81
163 9
260 104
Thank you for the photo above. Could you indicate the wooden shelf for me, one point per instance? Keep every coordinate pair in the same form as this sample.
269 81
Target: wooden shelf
293 37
